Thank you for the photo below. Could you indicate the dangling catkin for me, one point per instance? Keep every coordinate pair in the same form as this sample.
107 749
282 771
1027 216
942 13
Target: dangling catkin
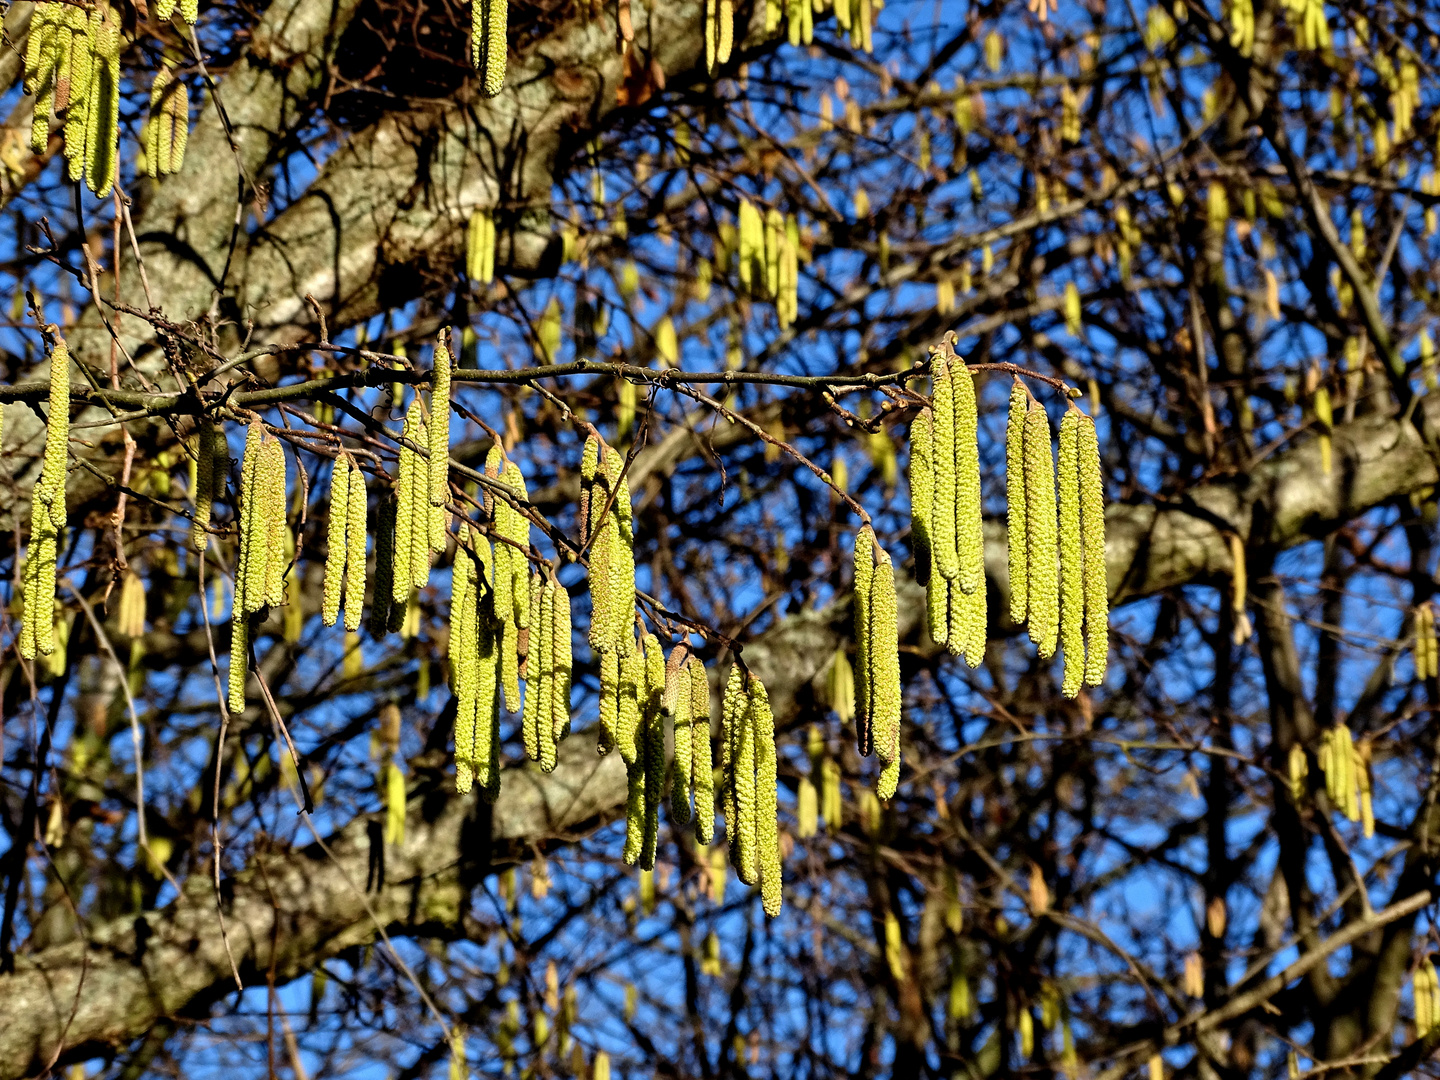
609 700
1092 526
204 494
652 748
767 822
702 768
535 663
1041 528
943 506
1072 577
336 550
937 612
357 510
480 247
969 534
883 654
864 575
544 687
1015 499
677 704
632 678
464 663
560 646
250 568
488 31
439 465
48 514
272 492
922 493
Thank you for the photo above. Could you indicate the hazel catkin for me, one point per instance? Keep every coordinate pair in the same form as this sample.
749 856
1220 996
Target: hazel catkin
357 510
439 428
1041 533
922 493
864 573
969 535
702 768
1092 526
943 513
883 655
1072 578
767 823
203 497
335 552
1015 501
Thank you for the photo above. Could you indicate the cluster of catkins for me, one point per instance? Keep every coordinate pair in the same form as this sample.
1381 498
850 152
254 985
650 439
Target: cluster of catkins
1056 553
719 33
72 69
1347 775
263 561
767 251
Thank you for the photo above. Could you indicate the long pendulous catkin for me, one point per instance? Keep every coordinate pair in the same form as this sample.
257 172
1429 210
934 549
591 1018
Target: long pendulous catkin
254 546
487 691
47 514
632 678
1092 526
464 663
272 494
864 572
922 493
1072 570
767 820
488 45
204 494
335 539
439 464
883 654
1015 500
943 515
1041 528
652 750
676 704
357 507
969 535
733 706
702 768
535 664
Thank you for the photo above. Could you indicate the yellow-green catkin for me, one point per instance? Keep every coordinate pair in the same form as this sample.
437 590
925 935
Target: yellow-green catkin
864 575
652 748
463 649
543 688
1015 499
47 515
767 820
251 567
627 739
1072 570
534 665
883 656
1092 527
356 526
335 538
487 690
943 512
922 493
488 44
167 127
1041 533
969 534
562 665
480 247
702 767
676 703
744 855
272 492
439 428
203 497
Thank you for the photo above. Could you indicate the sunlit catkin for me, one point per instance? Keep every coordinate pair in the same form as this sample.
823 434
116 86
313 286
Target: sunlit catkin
767 822
740 781
239 649
203 496
167 127
488 47
864 575
883 651
943 507
254 549
1015 500
560 646
535 665
356 527
702 767
272 494
464 663
47 514
439 427
969 535
677 705
335 553
1072 577
922 493
652 748
1092 527
1041 533
480 246
487 693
